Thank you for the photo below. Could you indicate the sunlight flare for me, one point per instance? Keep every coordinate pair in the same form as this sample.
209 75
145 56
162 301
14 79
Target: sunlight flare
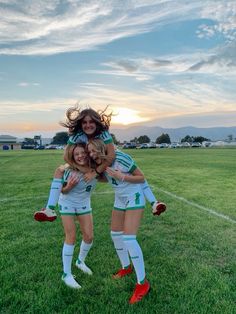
126 116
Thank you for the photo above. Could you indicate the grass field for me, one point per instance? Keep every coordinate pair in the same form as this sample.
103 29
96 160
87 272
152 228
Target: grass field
189 251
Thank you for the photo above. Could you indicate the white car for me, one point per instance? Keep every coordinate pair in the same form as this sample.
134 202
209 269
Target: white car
196 144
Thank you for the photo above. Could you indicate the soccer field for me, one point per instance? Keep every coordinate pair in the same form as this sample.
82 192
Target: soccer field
189 251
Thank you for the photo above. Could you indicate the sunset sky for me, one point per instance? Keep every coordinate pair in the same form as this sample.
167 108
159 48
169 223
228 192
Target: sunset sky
154 62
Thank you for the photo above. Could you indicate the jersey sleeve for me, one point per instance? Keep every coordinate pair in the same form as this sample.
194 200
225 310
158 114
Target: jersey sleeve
77 138
66 175
106 137
126 163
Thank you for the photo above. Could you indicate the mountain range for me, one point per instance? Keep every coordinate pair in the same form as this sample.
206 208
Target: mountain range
213 134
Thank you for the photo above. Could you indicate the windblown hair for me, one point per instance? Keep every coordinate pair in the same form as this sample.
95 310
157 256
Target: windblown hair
75 116
69 155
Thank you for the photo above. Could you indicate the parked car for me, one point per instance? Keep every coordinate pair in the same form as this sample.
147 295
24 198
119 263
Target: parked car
196 144
163 145
27 146
51 146
129 145
39 147
174 145
206 144
143 146
152 145
185 145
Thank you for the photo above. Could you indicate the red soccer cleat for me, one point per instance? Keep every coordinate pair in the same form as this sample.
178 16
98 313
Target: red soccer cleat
123 272
139 292
158 208
45 214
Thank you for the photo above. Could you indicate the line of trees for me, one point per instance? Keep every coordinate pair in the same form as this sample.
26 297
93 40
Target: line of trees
61 138
165 138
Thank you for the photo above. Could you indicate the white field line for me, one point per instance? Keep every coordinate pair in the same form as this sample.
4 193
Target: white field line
209 210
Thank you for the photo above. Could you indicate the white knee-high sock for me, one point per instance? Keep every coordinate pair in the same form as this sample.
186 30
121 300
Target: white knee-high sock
136 256
67 255
84 249
148 192
121 250
54 193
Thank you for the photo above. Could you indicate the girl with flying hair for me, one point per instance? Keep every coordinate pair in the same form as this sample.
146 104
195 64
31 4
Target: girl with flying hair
84 125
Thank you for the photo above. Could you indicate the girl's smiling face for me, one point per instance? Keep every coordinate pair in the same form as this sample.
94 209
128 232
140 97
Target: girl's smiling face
80 156
89 126
93 153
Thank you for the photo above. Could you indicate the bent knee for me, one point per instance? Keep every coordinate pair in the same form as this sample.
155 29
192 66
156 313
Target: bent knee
88 238
70 238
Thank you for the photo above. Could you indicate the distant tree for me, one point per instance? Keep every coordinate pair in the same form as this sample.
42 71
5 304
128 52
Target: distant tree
143 139
230 137
135 140
60 138
187 138
29 141
200 139
191 139
116 142
164 138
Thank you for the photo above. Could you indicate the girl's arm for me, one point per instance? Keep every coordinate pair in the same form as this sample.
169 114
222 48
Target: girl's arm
110 156
59 172
136 177
72 181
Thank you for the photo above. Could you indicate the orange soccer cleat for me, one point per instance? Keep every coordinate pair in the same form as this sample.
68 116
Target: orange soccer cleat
139 292
123 272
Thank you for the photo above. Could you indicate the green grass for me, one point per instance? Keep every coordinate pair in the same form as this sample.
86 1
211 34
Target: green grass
189 253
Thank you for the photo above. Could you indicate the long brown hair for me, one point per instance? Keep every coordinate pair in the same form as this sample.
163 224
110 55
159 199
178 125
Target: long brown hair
75 116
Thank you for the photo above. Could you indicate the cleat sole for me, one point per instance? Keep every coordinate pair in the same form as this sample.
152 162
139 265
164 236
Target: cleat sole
41 217
161 209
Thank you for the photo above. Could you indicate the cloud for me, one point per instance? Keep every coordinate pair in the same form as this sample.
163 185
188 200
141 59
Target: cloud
223 22
17 108
220 61
26 84
153 102
49 27
179 97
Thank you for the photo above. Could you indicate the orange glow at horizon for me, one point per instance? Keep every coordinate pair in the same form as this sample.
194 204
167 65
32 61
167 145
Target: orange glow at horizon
127 116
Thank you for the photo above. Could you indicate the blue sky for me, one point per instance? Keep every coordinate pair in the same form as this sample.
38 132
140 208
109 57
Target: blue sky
163 63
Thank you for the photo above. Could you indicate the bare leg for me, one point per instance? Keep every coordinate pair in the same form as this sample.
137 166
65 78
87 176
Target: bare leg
132 221
86 227
131 225
69 229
